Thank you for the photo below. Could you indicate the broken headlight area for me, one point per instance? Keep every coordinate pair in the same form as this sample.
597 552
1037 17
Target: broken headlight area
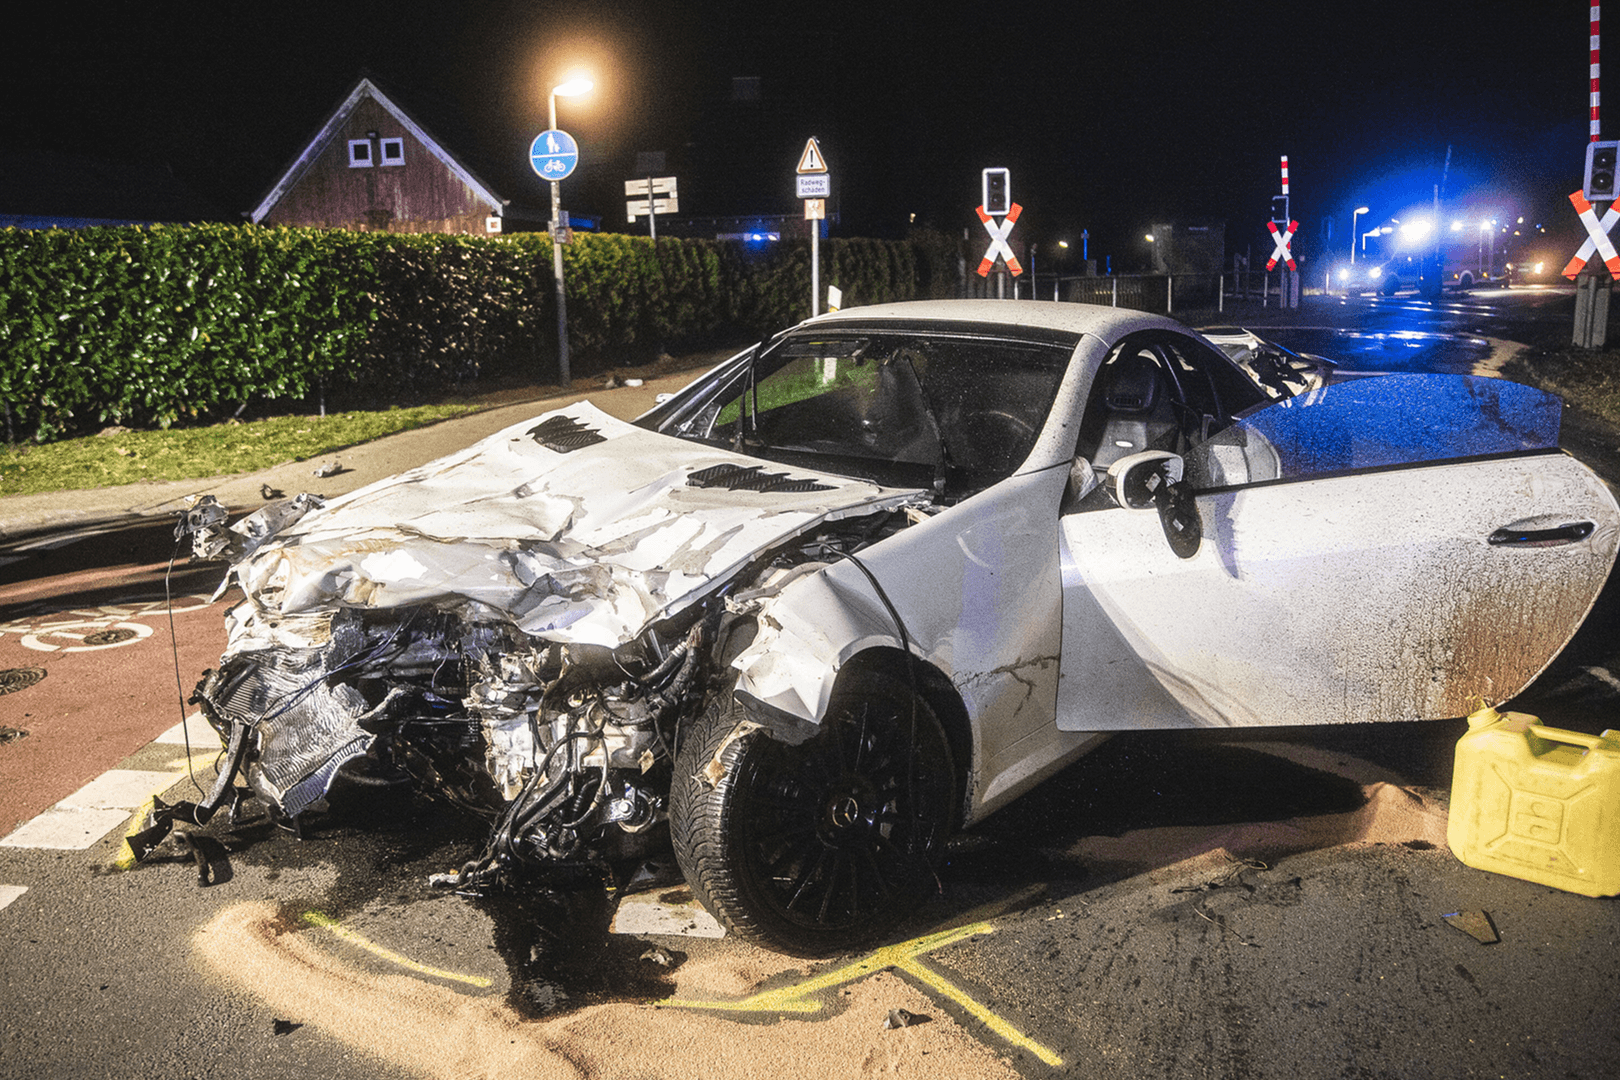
565 748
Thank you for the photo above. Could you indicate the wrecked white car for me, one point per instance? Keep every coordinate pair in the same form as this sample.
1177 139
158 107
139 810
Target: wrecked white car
871 580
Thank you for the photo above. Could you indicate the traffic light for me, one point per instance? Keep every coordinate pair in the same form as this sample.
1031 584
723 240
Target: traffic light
1600 169
997 192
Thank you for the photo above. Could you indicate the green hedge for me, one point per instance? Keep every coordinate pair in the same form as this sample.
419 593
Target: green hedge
150 326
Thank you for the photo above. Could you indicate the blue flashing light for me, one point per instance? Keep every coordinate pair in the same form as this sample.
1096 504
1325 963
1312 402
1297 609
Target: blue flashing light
1414 231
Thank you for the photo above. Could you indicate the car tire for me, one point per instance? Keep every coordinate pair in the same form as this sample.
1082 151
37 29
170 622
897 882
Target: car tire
823 847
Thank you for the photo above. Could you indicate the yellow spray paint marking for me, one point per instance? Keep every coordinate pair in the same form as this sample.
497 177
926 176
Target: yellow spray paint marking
326 922
902 957
125 859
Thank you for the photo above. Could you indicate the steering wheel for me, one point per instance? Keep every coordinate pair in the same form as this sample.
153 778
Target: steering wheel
997 436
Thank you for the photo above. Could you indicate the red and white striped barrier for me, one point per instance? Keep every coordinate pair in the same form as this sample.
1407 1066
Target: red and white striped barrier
1595 37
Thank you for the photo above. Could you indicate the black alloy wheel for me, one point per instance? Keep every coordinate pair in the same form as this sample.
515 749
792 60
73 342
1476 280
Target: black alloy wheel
822 847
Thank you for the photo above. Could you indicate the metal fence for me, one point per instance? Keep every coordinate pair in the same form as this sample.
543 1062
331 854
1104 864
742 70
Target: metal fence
1161 293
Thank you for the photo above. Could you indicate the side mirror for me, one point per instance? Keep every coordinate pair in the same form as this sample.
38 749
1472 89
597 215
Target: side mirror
1151 480
1135 479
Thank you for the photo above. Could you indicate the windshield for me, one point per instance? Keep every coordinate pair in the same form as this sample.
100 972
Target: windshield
955 409
1379 422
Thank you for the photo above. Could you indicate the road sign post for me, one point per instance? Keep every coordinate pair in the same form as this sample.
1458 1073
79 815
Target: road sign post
1282 227
554 154
996 195
813 184
1598 185
650 205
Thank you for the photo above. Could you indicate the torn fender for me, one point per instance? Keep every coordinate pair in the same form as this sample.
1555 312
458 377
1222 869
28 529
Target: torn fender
978 590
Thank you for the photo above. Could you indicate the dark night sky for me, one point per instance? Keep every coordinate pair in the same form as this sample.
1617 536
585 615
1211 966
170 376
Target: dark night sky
1110 115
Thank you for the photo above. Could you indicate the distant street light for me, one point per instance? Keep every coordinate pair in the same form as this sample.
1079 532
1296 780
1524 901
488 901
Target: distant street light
1355 214
573 87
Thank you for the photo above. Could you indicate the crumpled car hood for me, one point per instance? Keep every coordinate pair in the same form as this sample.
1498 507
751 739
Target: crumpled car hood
578 526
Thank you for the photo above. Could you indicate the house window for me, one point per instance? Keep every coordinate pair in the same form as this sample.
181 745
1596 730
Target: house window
360 154
393 152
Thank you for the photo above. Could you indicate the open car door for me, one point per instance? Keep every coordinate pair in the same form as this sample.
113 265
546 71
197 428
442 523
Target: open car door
1389 548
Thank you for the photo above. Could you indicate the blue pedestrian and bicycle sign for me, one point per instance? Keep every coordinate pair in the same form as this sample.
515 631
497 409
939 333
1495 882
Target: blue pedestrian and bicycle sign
553 154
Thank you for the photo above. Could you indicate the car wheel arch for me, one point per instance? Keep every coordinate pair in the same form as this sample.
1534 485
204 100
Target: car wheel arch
940 694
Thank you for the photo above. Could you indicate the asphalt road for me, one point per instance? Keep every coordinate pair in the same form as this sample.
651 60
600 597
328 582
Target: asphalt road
1176 904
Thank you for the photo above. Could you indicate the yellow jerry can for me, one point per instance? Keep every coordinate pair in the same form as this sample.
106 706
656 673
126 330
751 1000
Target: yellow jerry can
1537 803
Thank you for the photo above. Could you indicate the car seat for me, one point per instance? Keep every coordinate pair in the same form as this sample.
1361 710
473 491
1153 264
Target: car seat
1138 409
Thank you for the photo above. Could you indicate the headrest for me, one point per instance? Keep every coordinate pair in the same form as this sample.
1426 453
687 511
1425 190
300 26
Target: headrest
1133 384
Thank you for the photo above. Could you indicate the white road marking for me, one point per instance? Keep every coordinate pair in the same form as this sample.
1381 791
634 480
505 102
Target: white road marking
93 811
203 737
60 540
8 893
81 632
65 828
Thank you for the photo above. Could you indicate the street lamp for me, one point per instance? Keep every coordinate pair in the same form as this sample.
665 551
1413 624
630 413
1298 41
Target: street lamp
1354 214
573 87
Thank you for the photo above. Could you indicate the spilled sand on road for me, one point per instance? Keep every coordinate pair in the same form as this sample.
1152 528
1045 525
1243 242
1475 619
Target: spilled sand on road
436 1032
1392 814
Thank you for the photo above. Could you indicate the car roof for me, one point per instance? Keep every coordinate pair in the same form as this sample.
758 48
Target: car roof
1108 323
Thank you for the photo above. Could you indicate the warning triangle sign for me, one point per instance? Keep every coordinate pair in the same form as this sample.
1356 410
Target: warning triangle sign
812 161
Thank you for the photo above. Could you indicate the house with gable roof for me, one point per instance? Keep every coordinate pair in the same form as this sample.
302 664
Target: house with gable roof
373 167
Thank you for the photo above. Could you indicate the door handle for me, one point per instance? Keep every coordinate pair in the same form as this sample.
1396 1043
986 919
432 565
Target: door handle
1558 534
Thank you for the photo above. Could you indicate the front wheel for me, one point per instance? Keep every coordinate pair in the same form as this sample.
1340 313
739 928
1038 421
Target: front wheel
822 847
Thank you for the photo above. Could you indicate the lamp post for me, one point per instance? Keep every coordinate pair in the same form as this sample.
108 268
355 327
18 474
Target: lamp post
1353 215
573 87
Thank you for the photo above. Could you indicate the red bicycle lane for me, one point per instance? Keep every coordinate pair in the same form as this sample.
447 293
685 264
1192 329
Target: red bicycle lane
88 670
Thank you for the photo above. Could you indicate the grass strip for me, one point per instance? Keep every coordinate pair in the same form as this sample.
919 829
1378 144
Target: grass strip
126 457
1589 377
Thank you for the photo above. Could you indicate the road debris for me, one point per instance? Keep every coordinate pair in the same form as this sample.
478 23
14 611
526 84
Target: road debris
1477 924
1232 876
284 1027
899 1018
663 957
331 468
